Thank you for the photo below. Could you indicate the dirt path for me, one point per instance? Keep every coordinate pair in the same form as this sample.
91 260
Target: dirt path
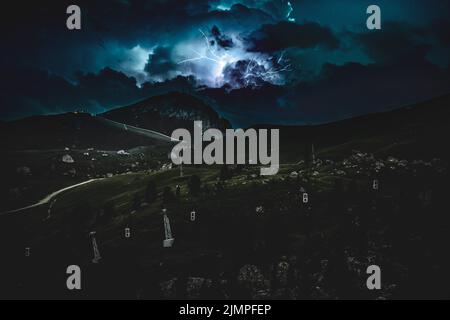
48 198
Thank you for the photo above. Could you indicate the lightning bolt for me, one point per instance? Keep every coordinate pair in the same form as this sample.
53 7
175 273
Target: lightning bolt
290 10
255 69
215 58
267 75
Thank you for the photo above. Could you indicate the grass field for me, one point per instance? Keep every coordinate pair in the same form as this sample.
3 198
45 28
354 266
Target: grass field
251 233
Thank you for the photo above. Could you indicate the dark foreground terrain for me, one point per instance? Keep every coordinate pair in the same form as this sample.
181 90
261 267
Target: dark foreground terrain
374 197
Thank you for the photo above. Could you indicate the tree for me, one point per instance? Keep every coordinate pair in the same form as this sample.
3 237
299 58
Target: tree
178 191
194 185
151 192
168 195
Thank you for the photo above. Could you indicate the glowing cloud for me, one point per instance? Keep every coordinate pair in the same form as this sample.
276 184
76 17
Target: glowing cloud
215 66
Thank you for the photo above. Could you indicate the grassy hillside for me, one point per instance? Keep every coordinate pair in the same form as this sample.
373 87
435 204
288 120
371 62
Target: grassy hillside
413 132
253 237
246 228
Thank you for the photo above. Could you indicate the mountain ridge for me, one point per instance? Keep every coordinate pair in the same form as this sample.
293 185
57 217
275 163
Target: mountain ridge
417 129
423 124
163 113
168 112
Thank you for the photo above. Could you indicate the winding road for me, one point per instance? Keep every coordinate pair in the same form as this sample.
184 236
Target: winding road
48 198
121 126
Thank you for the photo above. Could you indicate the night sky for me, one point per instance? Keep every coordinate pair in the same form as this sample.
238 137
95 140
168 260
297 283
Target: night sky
254 61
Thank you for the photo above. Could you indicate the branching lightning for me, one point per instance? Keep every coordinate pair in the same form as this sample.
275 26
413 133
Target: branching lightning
256 68
255 71
200 56
290 10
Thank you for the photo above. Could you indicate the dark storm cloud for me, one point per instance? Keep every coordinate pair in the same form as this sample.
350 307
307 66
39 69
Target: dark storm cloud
277 9
355 89
442 30
401 73
108 87
396 43
404 43
341 92
27 92
336 73
179 83
222 40
247 106
110 29
160 62
238 76
283 35
239 18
